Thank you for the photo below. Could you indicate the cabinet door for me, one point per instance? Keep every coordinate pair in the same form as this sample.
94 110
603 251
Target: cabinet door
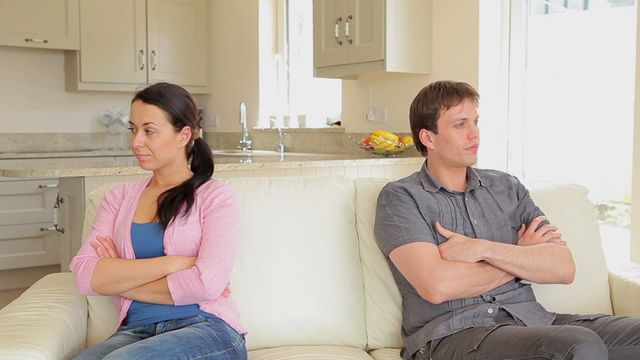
328 32
366 29
113 41
51 24
177 41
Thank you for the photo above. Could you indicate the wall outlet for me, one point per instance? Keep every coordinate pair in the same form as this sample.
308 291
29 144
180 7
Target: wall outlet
377 115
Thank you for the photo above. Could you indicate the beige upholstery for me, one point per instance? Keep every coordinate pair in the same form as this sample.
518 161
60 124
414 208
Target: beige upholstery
383 302
310 281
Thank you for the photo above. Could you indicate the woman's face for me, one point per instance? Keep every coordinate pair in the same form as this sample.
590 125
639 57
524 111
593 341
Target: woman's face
154 141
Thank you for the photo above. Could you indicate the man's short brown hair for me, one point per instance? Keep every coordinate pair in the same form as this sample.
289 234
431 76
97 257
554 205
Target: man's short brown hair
432 101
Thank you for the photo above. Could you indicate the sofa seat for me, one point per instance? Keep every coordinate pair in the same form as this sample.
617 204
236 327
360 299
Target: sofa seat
310 281
309 352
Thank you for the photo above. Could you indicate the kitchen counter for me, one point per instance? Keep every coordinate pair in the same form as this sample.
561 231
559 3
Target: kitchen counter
64 154
127 165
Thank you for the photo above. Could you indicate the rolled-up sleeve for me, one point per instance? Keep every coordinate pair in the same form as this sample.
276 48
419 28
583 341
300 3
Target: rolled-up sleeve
399 220
208 278
526 209
83 264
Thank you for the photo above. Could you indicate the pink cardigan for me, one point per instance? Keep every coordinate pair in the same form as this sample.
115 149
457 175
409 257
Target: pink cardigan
209 231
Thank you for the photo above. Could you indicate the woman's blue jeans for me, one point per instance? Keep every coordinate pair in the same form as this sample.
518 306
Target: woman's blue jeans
192 338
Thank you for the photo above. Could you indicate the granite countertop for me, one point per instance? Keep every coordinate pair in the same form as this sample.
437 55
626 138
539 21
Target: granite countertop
112 165
64 154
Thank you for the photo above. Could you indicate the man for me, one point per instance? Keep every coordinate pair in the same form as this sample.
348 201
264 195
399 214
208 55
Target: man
460 240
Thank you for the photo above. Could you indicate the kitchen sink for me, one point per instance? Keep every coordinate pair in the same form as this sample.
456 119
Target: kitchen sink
260 153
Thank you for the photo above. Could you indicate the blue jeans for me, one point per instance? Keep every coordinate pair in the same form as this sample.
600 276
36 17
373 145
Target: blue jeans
192 338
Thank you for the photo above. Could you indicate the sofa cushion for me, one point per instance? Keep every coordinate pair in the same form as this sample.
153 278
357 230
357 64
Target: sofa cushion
298 278
386 354
309 353
568 208
383 301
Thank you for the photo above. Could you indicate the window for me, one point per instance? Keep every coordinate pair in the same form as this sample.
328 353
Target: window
288 90
570 102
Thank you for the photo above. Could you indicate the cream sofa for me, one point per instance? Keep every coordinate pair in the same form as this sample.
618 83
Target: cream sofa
310 281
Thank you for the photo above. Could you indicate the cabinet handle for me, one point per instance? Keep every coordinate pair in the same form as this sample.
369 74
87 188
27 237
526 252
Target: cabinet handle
347 29
154 62
336 30
48 186
39 41
141 59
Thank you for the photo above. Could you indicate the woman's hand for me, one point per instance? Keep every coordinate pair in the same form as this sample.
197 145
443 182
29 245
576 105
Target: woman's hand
105 248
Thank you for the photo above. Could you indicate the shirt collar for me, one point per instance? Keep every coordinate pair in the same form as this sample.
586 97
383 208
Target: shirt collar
431 184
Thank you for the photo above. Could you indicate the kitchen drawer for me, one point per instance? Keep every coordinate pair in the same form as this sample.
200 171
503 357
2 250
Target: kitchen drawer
27 245
27 201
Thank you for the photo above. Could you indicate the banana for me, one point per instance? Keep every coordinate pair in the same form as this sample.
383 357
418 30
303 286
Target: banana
385 134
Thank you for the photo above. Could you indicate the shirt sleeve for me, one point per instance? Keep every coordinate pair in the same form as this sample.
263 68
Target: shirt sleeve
84 263
399 220
526 210
212 271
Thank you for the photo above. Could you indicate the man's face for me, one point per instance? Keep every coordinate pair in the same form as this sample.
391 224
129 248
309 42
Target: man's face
458 139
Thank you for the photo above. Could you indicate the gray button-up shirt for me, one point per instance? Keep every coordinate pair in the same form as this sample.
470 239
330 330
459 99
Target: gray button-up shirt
493 207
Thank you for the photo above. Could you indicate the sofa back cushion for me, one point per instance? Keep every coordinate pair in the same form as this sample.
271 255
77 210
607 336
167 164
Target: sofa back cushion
566 206
103 316
298 278
382 298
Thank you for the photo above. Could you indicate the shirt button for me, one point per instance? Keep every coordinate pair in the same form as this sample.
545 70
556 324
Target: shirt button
490 311
475 222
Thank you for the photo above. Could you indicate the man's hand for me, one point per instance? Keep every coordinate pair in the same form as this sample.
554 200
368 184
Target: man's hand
528 235
459 247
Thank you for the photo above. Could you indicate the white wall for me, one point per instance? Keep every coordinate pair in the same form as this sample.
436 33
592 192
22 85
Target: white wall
234 62
33 97
635 176
455 57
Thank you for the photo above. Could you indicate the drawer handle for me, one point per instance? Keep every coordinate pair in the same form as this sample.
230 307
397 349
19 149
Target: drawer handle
154 61
35 40
48 186
336 30
141 59
347 29
55 228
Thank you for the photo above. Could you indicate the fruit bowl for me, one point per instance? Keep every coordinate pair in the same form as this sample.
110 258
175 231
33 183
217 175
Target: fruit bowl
384 143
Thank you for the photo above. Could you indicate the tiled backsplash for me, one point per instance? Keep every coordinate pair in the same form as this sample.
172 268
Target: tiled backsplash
56 142
331 140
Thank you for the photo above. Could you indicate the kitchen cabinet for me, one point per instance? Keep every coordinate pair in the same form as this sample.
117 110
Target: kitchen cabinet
352 37
126 44
47 24
27 234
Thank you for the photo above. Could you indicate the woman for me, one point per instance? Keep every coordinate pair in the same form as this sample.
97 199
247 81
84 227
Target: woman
165 245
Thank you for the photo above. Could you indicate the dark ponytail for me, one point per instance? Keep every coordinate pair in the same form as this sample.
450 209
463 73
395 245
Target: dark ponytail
181 111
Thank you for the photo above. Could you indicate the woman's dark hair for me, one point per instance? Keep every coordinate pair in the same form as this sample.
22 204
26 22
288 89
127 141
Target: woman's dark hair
181 111
433 100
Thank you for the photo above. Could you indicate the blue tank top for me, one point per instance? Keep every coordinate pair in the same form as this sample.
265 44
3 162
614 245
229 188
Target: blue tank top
147 241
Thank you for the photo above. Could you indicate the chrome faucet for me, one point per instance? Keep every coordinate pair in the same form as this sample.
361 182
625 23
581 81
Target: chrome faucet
281 135
245 142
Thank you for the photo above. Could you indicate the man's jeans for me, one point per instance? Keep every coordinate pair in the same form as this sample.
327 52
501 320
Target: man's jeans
580 337
192 338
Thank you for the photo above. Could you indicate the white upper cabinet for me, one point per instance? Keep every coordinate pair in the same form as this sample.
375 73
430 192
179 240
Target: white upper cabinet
352 37
48 24
126 44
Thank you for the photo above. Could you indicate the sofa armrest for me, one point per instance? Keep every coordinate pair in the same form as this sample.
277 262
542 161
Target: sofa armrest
48 321
624 286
